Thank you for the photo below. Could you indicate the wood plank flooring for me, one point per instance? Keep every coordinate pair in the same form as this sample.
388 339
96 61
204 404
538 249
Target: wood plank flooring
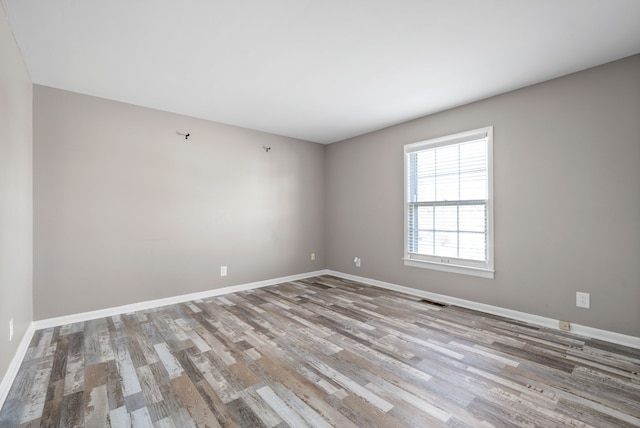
320 352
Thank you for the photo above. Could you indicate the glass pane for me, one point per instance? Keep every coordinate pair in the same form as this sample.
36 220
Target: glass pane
446 244
473 155
446 218
472 218
447 159
425 159
425 218
447 188
426 188
473 246
425 243
473 185
420 232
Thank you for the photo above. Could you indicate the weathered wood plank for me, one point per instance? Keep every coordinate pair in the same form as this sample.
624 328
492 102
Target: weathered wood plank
193 402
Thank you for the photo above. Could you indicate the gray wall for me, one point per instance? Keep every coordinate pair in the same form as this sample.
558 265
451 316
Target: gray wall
567 199
125 210
16 219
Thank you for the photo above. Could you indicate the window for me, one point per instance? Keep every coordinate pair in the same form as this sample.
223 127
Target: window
448 203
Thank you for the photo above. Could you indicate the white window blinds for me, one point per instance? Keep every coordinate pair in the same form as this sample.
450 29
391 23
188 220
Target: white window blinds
448 209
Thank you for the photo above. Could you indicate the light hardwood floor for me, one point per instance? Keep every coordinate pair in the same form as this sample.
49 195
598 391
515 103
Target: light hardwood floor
320 352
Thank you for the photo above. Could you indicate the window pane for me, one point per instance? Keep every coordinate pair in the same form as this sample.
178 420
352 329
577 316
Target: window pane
446 244
447 188
473 155
473 246
425 233
425 218
473 185
425 243
446 218
426 159
472 218
420 230
446 159
426 188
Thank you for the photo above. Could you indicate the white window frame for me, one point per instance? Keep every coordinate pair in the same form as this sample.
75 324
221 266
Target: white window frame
449 264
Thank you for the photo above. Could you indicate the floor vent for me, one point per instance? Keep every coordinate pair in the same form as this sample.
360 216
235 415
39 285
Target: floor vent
432 303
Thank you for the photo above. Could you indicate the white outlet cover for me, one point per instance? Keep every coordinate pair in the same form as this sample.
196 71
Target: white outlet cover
10 329
583 300
223 271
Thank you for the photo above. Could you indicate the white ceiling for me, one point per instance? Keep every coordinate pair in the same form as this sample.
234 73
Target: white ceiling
318 70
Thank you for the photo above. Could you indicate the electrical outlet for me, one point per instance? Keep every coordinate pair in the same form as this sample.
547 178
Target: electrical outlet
357 261
223 271
583 300
564 325
10 329
313 256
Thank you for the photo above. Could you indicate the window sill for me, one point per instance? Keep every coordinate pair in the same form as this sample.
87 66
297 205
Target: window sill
446 267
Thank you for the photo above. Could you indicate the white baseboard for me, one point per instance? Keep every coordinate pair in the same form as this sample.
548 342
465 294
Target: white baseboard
15 364
582 330
150 304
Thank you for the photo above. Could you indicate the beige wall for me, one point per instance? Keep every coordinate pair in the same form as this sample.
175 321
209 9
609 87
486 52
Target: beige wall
126 210
16 224
567 199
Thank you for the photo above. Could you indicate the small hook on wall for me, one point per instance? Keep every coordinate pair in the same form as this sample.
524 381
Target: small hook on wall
186 136
266 149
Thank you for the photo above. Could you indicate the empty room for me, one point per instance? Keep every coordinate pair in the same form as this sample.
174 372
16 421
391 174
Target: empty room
299 213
